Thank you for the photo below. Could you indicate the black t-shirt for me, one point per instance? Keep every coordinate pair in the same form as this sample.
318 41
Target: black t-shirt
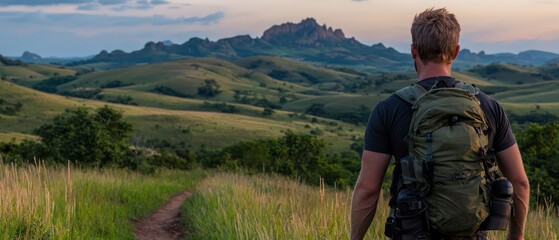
389 122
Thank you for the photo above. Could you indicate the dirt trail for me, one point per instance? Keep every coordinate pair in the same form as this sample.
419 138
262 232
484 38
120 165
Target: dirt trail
164 224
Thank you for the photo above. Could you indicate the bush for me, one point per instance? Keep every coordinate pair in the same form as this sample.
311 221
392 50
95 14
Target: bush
267 111
50 85
534 117
172 161
169 91
209 89
316 109
115 84
23 152
296 155
538 145
91 139
83 93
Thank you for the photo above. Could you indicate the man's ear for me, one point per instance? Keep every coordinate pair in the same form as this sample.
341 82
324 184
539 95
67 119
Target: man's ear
456 51
413 51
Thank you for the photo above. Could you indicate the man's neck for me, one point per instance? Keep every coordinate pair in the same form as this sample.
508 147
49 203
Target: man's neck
433 70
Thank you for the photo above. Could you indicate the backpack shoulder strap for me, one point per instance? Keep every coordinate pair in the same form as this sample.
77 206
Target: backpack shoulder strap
470 87
411 93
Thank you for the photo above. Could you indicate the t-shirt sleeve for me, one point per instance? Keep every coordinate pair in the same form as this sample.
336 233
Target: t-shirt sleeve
504 137
376 133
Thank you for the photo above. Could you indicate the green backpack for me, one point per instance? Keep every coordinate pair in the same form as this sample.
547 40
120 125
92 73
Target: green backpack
448 168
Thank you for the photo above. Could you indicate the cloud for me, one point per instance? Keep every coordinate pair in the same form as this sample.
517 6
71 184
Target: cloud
159 2
88 6
135 7
42 2
111 2
79 20
88 3
140 5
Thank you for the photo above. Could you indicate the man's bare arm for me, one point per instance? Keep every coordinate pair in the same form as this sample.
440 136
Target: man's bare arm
367 191
510 163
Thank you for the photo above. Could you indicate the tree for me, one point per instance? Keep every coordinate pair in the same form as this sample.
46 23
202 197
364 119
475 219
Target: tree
316 109
92 139
538 144
267 111
298 155
209 89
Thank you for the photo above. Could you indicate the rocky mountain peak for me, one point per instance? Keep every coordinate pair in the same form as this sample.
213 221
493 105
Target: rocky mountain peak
28 56
307 32
103 54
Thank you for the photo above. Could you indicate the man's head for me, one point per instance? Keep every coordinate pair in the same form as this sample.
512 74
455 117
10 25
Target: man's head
435 34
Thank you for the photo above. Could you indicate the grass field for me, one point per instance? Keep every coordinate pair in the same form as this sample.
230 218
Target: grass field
233 206
190 121
194 121
42 202
39 202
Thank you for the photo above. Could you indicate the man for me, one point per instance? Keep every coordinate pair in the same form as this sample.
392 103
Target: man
435 34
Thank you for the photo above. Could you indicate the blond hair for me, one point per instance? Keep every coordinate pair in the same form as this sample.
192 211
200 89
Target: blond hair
435 34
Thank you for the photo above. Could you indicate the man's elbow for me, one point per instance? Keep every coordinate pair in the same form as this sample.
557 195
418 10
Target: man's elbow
367 189
521 185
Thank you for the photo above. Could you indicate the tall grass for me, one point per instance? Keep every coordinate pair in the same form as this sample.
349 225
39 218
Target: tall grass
38 202
232 206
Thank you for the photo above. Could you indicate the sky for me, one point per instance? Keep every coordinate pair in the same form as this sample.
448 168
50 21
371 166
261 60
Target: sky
77 28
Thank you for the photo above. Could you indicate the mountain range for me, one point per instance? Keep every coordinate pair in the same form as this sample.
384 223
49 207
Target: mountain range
306 41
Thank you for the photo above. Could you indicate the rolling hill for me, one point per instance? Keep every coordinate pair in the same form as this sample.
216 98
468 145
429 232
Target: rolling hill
254 97
164 126
20 72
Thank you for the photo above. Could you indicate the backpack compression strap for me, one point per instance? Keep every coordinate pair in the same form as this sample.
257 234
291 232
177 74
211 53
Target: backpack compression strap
470 87
411 93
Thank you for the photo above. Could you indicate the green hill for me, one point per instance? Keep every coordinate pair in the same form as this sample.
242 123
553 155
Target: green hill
184 77
163 126
541 92
514 74
257 81
29 74
292 71
256 97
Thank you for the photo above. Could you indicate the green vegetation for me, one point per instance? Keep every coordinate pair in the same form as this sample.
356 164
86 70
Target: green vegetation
41 202
9 109
209 89
30 74
208 125
515 74
538 144
295 155
171 92
94 140
234 206
49 85
256 115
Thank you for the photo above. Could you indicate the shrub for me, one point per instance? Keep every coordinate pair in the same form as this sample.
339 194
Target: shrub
538 145
209 89
50 85
172 161
91 139
169 91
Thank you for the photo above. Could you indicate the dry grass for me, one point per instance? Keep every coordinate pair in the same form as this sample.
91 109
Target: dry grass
39 202
233 206
28 202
